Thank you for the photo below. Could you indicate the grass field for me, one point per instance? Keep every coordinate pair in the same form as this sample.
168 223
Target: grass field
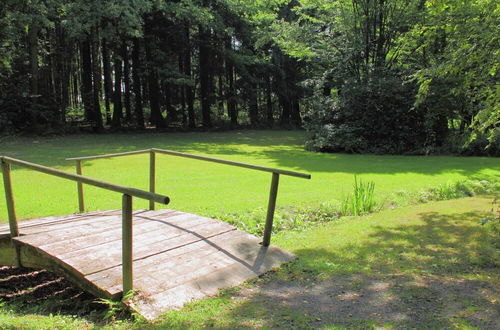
211 189
430 266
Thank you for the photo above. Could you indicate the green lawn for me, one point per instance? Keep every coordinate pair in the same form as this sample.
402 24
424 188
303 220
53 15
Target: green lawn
430 266
209 189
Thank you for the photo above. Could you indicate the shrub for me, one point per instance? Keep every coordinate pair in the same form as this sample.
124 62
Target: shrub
374 116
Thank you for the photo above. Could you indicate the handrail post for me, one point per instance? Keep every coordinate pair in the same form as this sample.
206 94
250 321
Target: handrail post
127 261
271 206
9 196
81 203
152 176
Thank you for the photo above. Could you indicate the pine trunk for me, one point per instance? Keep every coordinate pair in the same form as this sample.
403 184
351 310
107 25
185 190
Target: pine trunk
136 78
205 77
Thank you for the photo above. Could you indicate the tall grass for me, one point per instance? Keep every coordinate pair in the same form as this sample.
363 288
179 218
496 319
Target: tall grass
361 201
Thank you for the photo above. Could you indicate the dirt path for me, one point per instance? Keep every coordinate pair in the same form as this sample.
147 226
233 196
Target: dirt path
398 300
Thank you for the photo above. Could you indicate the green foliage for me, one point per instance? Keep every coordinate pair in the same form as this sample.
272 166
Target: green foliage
460 45
361 201
492 222
376 116
116 309
435 61
445 191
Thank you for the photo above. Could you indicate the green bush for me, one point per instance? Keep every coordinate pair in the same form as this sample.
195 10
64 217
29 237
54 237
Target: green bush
374 116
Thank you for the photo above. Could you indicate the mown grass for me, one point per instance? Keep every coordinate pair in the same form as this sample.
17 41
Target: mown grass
213 189
440 266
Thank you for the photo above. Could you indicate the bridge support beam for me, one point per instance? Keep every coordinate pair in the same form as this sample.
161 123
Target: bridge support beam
9 196
271 206
127 257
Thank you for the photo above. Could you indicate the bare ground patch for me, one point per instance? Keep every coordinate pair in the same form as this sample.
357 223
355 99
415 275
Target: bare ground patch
395 300
28 290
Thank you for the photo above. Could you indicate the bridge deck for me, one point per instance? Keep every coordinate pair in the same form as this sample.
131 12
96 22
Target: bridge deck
178 257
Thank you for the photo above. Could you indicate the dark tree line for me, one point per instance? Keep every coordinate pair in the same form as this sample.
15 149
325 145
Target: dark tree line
383 76
141 63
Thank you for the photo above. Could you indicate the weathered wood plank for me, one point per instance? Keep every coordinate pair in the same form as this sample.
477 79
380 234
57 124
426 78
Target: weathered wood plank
208 283
24 224
70 241
170 261
110 256
143 229
79 227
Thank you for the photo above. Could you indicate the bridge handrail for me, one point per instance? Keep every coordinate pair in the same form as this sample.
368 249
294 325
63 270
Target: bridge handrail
152 174
88 180
127 257
198 157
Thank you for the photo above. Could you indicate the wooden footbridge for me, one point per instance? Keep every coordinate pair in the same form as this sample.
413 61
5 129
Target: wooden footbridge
165 257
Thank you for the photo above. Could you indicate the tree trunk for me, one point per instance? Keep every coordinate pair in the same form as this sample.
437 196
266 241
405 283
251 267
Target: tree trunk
296 119
269 101
285 110
205 77
66 58
171 113
153 85
231 94
96 78
108 84
33 56
136 69
86 79
182 91
187 72
117 109
126 80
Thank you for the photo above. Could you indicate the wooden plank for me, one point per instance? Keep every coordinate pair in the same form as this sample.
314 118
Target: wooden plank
75 242
206 283
109 255
83 225
38 236
93 244
237 248
167 260
151 306
106 228
41 222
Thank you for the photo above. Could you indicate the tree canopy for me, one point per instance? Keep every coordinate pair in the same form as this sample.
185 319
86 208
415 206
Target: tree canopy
383 76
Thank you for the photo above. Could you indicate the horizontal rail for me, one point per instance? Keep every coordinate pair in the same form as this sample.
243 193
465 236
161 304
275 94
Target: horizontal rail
84 179
229 162
204 158
128 153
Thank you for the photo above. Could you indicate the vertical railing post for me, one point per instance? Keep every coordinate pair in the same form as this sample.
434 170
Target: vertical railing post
9 196
152 176
271 206
127 271
81 203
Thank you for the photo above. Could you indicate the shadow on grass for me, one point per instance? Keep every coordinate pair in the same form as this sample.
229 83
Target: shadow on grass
283 148
439 273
